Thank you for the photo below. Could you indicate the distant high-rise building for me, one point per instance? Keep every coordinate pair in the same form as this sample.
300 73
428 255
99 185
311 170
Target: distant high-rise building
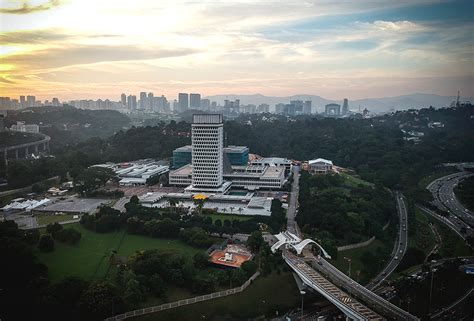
183 100
263 108
30 101
2 123
279 108
22 102
143 100
56 102
123 100
333 110
307 107
132 102
296 108
176 106
214 106
149 101
205 104
231 106
207 150
195 101
345 106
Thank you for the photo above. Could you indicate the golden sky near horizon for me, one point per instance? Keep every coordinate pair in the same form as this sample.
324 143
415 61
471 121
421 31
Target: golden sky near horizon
75 49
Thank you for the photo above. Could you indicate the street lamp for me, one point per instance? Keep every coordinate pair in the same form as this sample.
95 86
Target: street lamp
302 293
350 261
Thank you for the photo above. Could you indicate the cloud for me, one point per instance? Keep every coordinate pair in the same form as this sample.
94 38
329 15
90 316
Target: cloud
26 8
28 37
83 55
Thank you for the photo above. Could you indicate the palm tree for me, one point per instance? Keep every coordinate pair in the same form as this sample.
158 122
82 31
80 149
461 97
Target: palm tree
240 210
231 209
224 210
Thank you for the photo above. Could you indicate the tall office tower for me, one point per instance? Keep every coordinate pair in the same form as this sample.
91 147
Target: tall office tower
161 104
175 106
214 105
183 100
22 102
123 100
205 104
132 102
345 106
279 108
307 107
149 101
208 149
30 101
143 100
195 101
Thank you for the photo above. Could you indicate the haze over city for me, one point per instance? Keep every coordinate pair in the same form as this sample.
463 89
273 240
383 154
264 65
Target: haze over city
360 49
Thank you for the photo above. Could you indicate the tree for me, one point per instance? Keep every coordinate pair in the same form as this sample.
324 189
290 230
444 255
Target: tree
100 299
218 222
200 260
92 178
255 241
68 235
53 228
133 293
249 268
46 243
68 291
157 285
32 236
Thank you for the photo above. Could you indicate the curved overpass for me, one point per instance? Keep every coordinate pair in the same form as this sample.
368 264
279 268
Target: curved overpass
24 150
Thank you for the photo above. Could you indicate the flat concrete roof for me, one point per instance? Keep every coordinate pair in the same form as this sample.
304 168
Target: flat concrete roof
73 205
183 171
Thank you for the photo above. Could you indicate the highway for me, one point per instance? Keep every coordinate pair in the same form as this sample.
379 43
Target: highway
368 300
443 193
400 246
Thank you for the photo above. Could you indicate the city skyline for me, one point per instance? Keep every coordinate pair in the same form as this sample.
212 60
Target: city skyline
363 49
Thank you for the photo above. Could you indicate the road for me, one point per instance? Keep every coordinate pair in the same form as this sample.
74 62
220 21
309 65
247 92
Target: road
445 199
338 278
456 226
400 247
292 206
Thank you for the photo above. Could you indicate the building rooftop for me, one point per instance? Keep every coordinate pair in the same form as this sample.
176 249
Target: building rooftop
320 160
184 149
272 160
186 170
235 149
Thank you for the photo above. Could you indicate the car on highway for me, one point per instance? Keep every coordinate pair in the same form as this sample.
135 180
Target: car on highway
396 257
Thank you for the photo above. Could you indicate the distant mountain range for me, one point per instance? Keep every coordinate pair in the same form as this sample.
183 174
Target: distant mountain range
373 104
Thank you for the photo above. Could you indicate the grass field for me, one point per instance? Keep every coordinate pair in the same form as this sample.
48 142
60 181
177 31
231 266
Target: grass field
90 258
355 181
47 219
451 244
266 295
424 239
357 264
229 217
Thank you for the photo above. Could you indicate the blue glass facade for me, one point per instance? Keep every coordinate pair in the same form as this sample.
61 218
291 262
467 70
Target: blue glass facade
238 156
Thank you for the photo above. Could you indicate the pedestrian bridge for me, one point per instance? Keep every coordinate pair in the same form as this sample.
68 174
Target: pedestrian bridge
291 240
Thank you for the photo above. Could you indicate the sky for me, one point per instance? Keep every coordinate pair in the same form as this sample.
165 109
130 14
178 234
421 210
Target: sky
76 49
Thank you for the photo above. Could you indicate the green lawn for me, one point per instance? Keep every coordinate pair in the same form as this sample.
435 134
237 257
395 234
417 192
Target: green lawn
89 259
47 219
229 217
355 181
265 296
357 263
424 239
451 244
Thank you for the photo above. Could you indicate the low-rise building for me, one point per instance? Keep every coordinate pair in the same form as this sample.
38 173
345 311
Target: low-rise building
319 166
273 161
252 177
137 172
